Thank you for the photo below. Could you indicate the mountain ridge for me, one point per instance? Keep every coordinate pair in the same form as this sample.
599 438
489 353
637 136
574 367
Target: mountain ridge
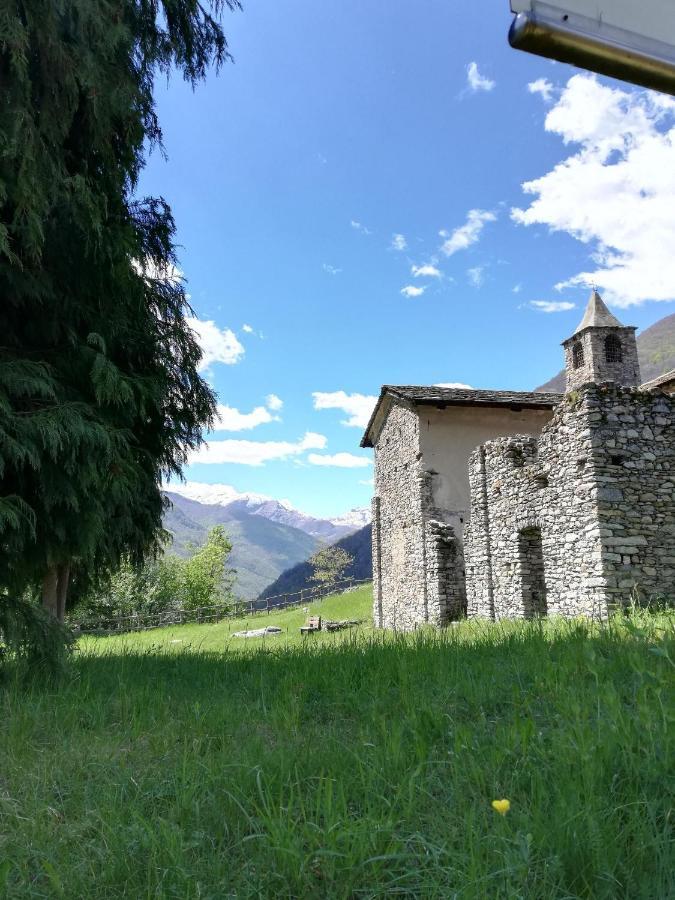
282 511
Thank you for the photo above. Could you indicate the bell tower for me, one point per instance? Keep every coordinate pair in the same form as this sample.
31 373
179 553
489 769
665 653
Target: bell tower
601 349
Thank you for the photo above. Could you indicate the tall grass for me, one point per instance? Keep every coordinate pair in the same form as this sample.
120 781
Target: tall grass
361 769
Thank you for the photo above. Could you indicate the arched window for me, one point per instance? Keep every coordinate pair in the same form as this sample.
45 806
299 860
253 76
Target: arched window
613 349
578 355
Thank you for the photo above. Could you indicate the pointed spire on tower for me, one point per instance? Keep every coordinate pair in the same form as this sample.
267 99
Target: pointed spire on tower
601 349
597 315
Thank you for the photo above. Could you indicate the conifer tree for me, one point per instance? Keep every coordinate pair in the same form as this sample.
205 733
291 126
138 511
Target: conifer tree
100 396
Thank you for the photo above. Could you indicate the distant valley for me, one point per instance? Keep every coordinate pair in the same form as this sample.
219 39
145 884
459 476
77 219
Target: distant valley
268 536
358 545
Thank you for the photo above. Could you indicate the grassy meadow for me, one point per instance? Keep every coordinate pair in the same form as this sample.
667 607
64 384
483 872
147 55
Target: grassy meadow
190 764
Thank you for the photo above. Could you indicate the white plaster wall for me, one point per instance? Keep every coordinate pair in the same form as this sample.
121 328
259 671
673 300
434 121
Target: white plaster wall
449 436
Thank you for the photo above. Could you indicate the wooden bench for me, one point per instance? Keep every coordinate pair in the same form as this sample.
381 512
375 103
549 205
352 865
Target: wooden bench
312 624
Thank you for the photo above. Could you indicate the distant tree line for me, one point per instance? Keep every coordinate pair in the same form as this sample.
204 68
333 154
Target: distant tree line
100 393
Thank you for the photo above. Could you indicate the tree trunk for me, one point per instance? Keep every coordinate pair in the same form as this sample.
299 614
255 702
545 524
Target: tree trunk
50 591
62 591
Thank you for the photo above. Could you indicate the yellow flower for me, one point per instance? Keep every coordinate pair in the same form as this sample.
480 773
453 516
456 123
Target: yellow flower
501 806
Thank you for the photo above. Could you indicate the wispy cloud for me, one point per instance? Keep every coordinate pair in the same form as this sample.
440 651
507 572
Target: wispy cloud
358 226
517 288
476 276
468 233
616 191
426 271
358 407
247 328
369 482
543 87
219 345
410 290
255 453
476 81
398 242
455 384
551 306
339 460
332 270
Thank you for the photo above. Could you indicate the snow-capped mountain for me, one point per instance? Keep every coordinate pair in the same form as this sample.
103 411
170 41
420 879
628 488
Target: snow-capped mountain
219 494
282 511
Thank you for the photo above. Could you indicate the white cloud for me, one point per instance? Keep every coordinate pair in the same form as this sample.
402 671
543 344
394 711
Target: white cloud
369 482
517 288
398 242
476 276
339 460
332 270
247 328
255 453
468 233
358 407
551 306
543 87
476 81
358 226
230 419
426 271
411 291
273 402
219 345
616 191
455 384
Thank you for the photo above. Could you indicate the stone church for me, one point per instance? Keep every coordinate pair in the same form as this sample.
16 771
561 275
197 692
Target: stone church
515 504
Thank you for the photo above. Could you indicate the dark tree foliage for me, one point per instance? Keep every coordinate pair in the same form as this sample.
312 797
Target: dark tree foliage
100 396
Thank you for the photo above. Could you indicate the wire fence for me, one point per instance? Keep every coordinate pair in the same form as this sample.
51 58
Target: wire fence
217 613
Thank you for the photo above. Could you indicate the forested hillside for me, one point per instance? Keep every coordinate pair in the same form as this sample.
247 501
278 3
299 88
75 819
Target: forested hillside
358 545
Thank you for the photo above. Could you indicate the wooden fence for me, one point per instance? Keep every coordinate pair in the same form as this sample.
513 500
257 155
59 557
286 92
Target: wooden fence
238 609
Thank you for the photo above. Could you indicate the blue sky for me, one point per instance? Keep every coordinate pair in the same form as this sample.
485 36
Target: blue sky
343 125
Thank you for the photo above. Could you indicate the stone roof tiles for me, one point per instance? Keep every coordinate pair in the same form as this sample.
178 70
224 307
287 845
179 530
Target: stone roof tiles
597 315
420 395
662 381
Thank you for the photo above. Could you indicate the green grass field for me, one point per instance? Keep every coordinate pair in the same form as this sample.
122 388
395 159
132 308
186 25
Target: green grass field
347 766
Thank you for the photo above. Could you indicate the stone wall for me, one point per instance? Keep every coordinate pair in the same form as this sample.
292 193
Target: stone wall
399 551
579 519
634 464
418 565
444 557
523 486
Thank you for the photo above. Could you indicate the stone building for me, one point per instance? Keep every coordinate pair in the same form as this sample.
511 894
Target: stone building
516 504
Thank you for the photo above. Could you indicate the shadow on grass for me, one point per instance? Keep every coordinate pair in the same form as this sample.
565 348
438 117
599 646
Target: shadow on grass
366 769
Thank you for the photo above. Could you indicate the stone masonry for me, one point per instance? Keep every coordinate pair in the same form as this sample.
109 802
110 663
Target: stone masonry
422 498
417 567
601 349
587 510
505 504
